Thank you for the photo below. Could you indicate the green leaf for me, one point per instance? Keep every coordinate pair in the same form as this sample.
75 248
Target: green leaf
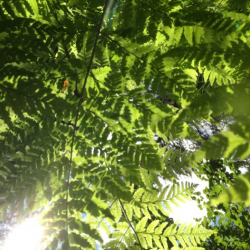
239 192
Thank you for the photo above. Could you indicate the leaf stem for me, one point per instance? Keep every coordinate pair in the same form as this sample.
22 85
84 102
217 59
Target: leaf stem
129 222
78 111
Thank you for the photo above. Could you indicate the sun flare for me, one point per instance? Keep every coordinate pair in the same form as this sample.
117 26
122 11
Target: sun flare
26 236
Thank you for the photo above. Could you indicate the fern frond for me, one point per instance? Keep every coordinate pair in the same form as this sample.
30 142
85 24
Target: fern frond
185 235
90 151
155 203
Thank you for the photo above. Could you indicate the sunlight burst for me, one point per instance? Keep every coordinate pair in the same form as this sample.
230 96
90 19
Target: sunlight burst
186 212
26 236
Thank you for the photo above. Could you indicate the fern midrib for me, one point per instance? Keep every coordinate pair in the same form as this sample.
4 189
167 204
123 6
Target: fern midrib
159 201
177 234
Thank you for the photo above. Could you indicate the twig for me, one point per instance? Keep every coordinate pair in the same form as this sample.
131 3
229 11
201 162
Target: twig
122 237
131 53
150 7
78 111
103 217
124 212
119 45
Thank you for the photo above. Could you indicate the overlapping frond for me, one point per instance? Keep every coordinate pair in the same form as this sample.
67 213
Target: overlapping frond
135 70
155 235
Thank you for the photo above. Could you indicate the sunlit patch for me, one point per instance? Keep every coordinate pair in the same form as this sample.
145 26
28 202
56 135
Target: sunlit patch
26 236
186 212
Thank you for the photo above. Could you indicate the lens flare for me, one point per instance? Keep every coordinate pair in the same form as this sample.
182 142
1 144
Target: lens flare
26 236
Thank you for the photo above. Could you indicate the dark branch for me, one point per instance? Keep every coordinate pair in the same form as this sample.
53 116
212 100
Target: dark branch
78 111
124 212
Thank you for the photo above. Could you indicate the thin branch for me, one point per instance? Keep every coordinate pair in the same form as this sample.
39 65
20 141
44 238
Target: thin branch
119 45
78 111
104 217
131 53
150 7
124 212
123 236
109 125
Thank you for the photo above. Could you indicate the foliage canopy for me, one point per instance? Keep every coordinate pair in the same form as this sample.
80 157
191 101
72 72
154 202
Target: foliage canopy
92 96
